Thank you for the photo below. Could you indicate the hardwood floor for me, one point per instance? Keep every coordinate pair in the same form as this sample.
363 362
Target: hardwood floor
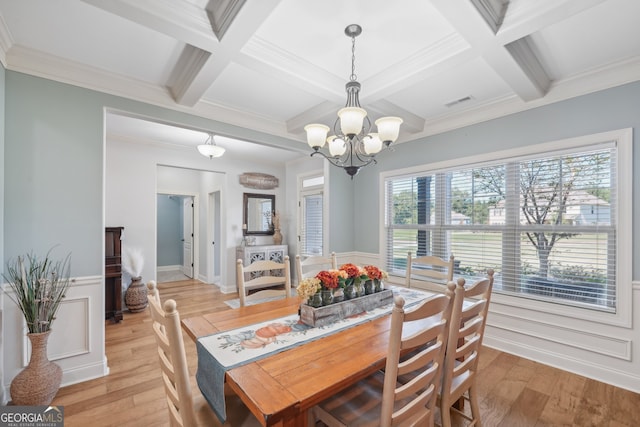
513 391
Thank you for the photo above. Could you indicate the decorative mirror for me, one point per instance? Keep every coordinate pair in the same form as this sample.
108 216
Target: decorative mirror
258 209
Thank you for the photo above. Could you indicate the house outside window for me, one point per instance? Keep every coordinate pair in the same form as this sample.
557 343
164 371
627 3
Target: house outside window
545 221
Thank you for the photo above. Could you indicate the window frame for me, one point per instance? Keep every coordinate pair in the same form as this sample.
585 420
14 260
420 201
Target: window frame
303 191
622 219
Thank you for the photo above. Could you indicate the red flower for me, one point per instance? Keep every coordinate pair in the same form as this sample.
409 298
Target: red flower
352 270
373 272
328 279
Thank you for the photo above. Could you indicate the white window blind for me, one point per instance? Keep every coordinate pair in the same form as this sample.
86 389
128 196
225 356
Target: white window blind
311 216
543 223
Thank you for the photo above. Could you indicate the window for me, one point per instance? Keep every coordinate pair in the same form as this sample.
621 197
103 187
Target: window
545 221
311 229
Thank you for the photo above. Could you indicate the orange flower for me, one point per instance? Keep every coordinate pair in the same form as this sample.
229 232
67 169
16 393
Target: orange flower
328 279
373 272
352 270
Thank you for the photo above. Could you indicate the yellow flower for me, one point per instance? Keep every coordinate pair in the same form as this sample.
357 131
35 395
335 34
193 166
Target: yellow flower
308 287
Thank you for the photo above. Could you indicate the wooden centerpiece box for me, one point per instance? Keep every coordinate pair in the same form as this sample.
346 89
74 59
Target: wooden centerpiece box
330 313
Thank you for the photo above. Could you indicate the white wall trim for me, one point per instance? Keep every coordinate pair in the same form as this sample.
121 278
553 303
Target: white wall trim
582 339
169 268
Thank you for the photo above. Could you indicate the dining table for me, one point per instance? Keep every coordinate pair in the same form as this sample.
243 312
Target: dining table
280 388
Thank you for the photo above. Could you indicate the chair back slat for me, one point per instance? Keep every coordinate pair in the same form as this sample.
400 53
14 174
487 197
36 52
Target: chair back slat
266 274
429 271
311 265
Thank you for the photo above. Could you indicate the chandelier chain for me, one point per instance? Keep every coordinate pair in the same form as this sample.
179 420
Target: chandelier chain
353 77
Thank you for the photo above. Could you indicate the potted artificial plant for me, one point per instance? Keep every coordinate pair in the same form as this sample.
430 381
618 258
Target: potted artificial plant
37 287
135 297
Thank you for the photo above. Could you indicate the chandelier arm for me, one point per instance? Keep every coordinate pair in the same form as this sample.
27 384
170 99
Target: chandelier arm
367 160
331 159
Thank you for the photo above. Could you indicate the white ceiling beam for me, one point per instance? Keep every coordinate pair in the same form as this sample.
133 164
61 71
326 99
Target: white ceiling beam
192 75
523 18
204 57
492 11
222 13
472 26
199 76
179 19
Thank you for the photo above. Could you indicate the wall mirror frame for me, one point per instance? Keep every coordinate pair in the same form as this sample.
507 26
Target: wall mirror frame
257 211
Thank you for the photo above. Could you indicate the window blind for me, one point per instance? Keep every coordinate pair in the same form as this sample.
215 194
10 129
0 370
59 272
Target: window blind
543 223
311 230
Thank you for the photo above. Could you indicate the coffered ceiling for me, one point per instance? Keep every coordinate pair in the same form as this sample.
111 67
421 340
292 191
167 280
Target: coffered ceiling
276 65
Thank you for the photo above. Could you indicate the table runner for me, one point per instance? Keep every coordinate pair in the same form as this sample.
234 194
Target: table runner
228 349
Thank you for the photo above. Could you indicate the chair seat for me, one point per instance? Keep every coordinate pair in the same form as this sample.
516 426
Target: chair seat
360 405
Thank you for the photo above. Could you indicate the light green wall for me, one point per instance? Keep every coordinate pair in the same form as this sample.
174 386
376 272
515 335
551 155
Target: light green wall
602 111
53 148
54 157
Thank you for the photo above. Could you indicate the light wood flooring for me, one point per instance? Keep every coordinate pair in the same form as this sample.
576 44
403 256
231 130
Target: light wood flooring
513 391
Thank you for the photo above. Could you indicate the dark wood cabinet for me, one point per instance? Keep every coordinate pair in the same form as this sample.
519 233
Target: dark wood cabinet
113 273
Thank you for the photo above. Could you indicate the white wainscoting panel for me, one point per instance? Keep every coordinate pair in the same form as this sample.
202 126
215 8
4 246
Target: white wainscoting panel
77 342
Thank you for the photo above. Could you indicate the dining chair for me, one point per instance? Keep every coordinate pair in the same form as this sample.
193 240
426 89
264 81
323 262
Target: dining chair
263 274
185 409
468 321
433 272
311 265
417 342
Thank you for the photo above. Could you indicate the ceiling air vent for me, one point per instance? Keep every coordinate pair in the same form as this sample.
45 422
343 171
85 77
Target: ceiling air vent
458 101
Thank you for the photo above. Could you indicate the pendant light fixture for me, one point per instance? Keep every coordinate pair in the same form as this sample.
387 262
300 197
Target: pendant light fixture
210 149
352 146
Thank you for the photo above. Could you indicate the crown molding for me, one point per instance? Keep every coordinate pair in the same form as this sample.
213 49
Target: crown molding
602 78
46 66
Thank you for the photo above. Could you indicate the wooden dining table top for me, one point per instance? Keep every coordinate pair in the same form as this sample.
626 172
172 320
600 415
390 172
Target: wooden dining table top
280 388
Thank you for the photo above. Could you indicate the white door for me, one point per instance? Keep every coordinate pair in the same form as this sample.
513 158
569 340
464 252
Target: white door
187 236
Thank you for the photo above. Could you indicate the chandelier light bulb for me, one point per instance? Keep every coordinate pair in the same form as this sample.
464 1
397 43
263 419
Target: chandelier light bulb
337 146
372 144
316 135
388 128
351 119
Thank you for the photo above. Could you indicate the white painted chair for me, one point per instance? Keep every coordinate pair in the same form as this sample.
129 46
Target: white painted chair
416 345
185 409
429 272
468 323
311 265
265 274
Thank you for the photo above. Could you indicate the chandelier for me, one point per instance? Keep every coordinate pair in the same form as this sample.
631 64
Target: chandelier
352 146
210 149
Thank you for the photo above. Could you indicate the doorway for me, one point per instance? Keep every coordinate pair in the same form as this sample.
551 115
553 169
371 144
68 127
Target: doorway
176 237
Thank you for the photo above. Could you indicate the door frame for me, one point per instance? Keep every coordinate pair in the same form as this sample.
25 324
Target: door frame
214 234
188 211
196 227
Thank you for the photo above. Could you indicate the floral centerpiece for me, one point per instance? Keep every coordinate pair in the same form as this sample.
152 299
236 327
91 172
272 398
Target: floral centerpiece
356 276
